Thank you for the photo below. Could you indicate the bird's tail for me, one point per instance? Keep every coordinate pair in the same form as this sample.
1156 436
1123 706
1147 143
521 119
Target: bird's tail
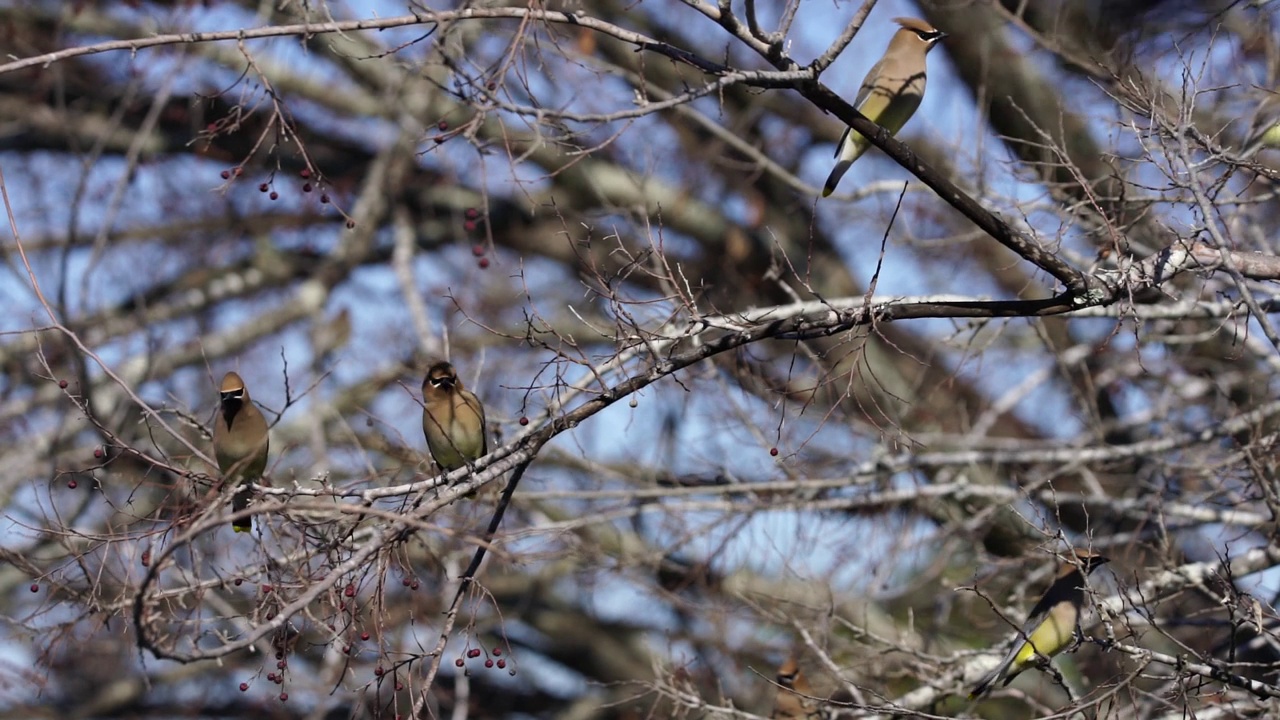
851 148
239 502
987 681
834 178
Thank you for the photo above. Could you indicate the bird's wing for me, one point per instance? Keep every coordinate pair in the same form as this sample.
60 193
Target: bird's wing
863 91
868 82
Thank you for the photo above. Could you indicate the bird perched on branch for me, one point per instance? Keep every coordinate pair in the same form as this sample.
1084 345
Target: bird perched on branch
1050 625
452 419
795 699
239 444
890 93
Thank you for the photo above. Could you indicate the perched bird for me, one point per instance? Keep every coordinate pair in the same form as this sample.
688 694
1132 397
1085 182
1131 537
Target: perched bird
795 699
452 419
239 444
890 93
1267 137
1050 625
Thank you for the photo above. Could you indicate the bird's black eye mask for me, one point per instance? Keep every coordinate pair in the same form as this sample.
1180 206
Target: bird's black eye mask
231 402
234 397
442 382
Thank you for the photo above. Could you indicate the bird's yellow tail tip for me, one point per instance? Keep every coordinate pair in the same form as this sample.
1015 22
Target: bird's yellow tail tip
239 529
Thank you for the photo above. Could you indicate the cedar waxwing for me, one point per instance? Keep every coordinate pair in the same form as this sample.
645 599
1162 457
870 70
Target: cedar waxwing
452 419
795 699
239 444
890 93
1051 624
1264 128
1269 137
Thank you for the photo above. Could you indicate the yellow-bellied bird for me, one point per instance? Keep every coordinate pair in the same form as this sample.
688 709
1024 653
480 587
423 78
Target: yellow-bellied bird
452 419
890 93
795 699
1267 137
1050 625
239 444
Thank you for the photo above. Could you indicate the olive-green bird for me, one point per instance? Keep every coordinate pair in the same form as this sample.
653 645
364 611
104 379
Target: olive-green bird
1051 624
795 699
452 419
1268 137
890 93
239 444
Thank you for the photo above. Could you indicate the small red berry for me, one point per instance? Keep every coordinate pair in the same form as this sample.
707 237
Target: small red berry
473 653
244 687
488 663
71 484
324 198
304 173
62 384
442 125
266 588
238 171
502 663
492 86
405 581
98 453
274 195
469 226
472 213
146 558
284 697
497 652
773 452
459 662
438 139
378 671
306 187
477 250
264 187
280 664
524 420
35 587
239 581
350 591
364 636
271 677
413 585
399 687
346 649
226 174
280 679
279 654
